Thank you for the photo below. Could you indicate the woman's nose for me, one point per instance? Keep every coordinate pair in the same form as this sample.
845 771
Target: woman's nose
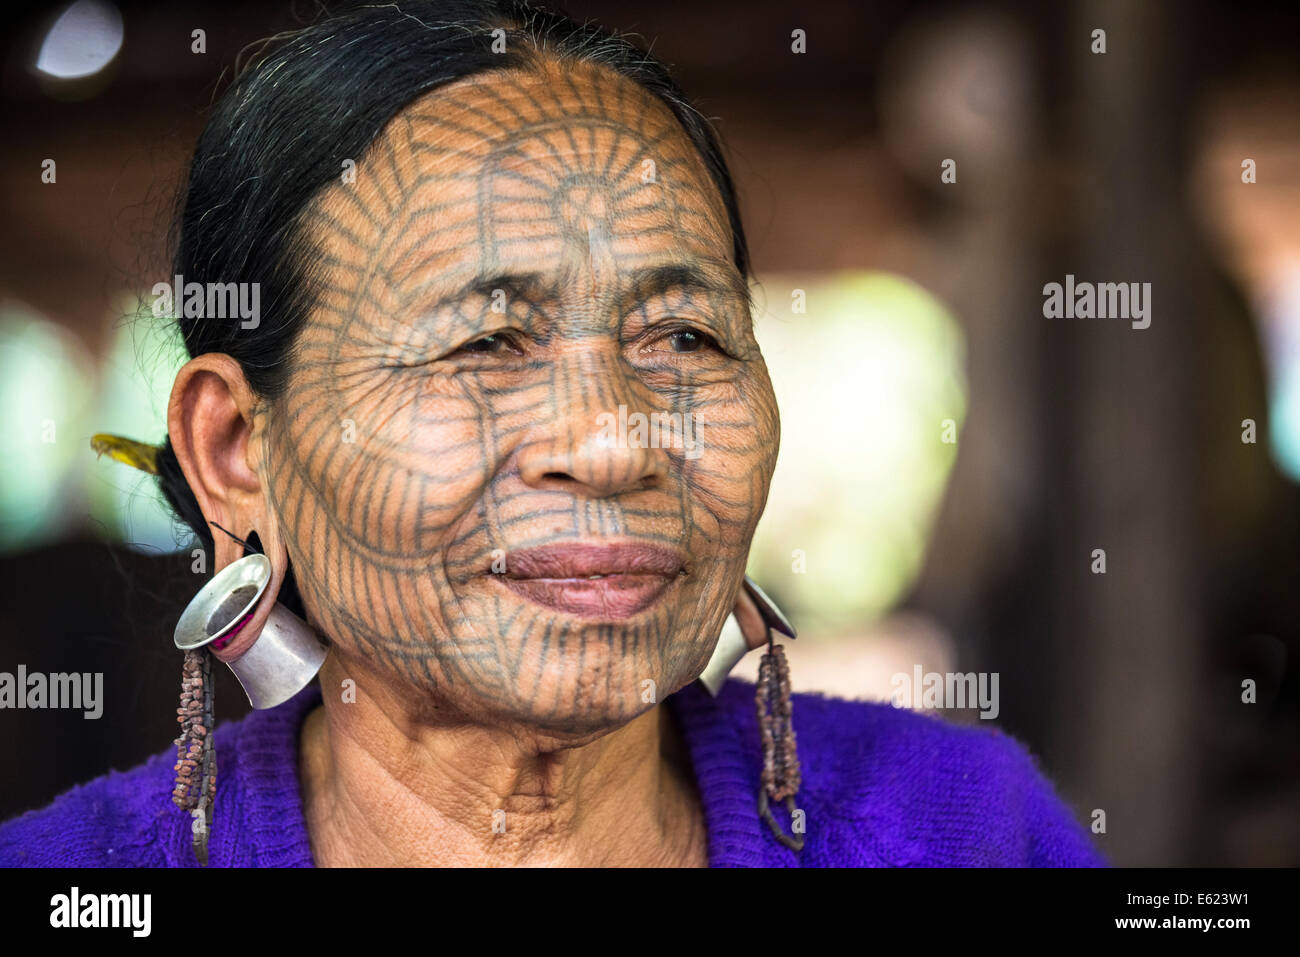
587 446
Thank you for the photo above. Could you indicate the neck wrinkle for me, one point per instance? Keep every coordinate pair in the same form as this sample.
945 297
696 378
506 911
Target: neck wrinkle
385 792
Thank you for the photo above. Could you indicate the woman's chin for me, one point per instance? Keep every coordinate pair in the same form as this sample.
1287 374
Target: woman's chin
590 690
591 686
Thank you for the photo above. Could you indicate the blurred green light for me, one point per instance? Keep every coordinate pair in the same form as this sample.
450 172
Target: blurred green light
865 381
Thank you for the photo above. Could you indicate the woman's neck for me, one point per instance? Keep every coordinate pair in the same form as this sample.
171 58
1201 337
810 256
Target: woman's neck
384 787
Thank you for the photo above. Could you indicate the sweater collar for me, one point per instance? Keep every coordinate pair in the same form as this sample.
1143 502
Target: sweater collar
727 774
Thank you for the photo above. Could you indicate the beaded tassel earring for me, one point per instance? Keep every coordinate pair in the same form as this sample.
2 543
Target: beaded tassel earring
781 777
196 758
196 761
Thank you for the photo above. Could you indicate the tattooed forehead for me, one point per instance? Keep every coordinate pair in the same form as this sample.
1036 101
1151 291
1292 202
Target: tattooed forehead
569 185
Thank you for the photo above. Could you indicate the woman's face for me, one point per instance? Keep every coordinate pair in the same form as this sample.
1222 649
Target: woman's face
527 274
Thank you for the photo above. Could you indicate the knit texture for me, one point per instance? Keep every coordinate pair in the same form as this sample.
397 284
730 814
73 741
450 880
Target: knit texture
882 787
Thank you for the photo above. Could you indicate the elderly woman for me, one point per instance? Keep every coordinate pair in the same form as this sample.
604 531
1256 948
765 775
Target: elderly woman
479 234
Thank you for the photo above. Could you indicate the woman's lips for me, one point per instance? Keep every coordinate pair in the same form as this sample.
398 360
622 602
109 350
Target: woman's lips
608 582
609 599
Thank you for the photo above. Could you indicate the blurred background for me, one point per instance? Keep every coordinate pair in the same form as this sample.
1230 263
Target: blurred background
952 460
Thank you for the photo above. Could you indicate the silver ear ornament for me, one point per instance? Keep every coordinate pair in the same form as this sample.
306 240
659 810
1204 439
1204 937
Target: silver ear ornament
286 655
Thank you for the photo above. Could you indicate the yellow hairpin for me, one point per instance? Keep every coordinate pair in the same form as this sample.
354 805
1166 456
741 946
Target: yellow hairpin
138 455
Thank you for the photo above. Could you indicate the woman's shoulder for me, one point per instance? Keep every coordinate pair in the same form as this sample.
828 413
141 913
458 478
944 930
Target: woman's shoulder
113 820
923 790
901 747
128 819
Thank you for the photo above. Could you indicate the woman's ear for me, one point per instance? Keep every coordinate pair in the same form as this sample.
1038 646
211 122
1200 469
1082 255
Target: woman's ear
212 424
210 421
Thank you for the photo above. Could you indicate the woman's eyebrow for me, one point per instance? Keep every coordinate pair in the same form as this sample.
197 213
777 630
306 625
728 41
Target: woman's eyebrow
434 295
649 281
515 285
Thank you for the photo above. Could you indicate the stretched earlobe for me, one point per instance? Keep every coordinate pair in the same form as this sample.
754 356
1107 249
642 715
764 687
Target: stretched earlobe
772 616
240 639
748 627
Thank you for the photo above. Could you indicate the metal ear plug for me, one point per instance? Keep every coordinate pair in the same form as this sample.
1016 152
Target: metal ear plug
287 653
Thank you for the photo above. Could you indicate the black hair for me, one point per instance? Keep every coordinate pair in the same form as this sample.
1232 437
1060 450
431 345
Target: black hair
309 98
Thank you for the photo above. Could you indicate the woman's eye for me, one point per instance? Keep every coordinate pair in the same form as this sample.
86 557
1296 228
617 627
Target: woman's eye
686 340
495 343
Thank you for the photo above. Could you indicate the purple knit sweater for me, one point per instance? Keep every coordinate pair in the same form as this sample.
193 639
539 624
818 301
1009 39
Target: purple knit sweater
881 787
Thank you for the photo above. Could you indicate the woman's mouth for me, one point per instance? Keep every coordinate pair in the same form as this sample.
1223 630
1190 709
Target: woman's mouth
606 582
